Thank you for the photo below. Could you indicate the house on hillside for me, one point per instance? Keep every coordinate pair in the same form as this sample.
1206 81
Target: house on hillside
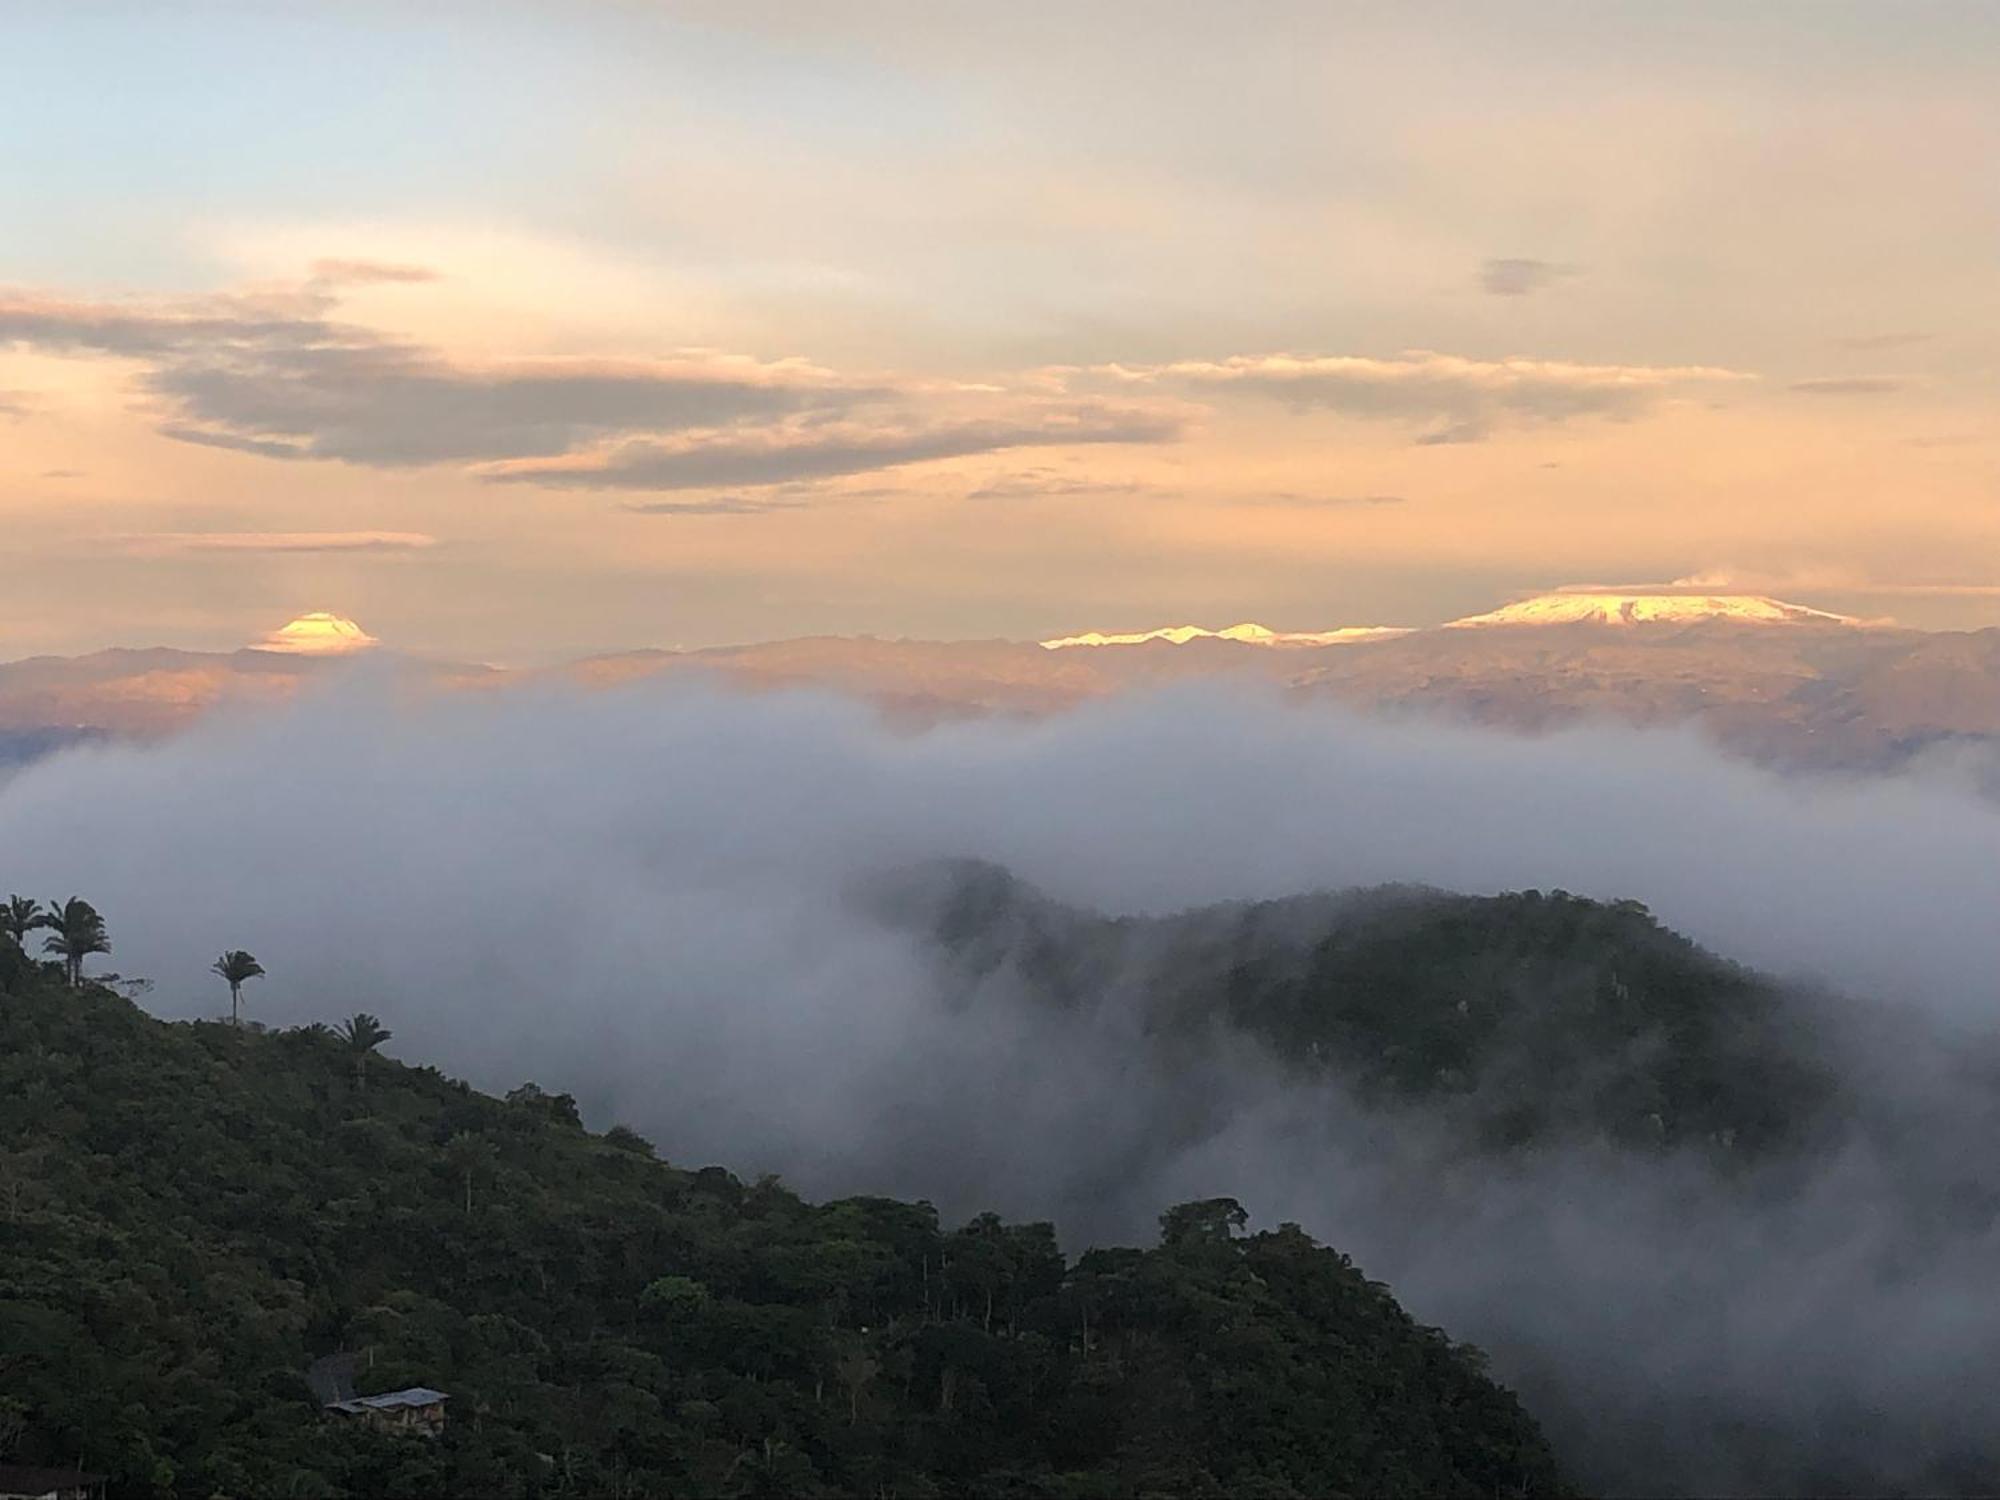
17 1483
418 1411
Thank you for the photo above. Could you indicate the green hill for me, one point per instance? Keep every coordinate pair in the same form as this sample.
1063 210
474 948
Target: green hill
1515 1019
191 1214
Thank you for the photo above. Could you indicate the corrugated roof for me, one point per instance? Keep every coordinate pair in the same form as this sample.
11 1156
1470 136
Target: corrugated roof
416 1395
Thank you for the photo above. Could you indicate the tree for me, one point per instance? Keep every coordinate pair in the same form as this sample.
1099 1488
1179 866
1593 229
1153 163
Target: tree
77 931
362 1033
674 1298
21 916
235 967
467 1153
1204 1221
15 967
556 1106
856 1368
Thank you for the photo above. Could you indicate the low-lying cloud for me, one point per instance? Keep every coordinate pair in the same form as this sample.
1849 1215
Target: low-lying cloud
645 897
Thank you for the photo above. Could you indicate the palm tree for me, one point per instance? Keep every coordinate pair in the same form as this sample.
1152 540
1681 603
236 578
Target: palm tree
21 916
363 1033
235 967
76 932
466 1153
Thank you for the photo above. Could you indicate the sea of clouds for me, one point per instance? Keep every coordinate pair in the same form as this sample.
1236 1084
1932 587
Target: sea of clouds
646 898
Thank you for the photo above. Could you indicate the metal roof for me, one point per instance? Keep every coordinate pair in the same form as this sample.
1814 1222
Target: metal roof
416 1395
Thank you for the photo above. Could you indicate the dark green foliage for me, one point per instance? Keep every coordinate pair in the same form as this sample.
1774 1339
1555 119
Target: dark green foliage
191 1214
1517 1018
1545 1014
16 968
1215 1219
76 931
361 1033
561 1108
19 916
235 968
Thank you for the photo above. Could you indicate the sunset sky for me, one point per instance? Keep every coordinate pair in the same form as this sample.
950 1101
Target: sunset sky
517 331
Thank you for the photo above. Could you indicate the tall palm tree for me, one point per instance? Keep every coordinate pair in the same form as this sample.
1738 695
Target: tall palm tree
363 1033
76 932
236 967
468 1153
21 916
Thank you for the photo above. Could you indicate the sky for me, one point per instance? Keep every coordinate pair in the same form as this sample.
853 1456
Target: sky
517 331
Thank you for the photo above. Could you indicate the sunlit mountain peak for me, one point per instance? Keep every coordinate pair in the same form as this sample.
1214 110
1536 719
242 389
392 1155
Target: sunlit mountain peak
1246 634
1620 608
319 634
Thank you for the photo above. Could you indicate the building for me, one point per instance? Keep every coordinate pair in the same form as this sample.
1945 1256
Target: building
418 1411
17 1483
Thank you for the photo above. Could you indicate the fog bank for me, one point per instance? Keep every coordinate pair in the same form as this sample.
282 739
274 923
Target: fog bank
643 897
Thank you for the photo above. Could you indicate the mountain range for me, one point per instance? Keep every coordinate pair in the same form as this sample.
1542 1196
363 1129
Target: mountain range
1779 683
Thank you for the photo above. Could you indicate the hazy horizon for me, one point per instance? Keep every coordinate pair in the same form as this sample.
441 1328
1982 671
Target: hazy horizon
275 641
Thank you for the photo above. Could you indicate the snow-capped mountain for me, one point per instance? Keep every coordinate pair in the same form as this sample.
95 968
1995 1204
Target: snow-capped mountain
1781 683
1247 634
318 634
1613 608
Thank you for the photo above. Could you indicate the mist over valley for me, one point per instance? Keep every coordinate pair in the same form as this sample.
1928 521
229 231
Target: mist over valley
1072 968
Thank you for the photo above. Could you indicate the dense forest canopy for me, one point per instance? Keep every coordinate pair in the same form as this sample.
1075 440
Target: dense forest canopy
190 1214
1499 1102
1493 1101
1519 1019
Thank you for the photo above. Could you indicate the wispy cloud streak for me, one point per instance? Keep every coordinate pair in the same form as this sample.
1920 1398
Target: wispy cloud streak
1461 399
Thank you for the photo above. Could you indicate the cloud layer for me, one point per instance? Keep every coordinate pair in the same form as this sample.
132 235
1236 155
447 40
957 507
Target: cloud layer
646 898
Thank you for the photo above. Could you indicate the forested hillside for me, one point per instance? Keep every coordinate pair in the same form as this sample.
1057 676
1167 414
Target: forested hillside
192 1213
1514 1019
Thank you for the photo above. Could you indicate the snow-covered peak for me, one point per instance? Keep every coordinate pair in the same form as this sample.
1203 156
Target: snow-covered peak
1246 634
1611 608
318 634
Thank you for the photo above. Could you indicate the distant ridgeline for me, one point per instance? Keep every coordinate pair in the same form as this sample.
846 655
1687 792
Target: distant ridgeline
1514 1019
191 1215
